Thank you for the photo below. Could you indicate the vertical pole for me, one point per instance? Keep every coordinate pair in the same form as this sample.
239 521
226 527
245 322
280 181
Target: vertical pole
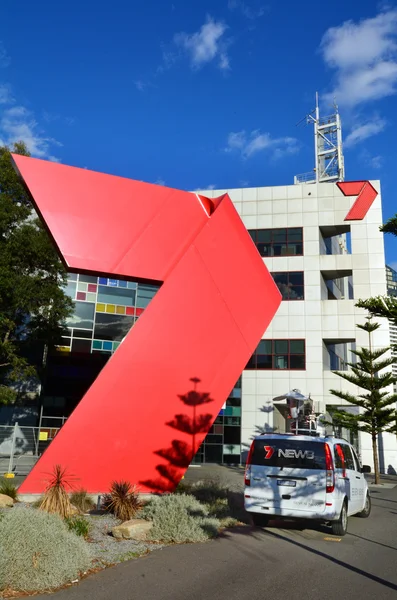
14 436
316 123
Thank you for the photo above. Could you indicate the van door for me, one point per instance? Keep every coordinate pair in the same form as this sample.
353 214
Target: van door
288 476
353 482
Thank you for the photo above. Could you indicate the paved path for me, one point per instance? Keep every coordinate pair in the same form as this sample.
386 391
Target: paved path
284 562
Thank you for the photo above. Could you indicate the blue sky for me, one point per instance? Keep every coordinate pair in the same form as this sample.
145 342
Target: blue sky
198 93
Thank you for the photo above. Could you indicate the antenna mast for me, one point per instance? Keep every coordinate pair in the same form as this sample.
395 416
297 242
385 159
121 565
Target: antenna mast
329 161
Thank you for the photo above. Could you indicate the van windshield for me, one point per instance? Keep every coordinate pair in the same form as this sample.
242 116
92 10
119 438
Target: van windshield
288 453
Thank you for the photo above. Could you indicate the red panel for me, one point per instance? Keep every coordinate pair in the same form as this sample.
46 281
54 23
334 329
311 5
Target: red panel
91 287
130 310
215 303
365 193
80 296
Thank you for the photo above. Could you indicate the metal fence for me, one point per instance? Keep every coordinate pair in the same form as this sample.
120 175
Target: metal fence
21 446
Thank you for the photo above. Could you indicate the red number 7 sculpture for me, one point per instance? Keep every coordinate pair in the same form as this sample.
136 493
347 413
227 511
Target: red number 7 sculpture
215 301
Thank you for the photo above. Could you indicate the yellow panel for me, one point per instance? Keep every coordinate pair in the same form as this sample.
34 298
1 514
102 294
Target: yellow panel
43 436
63 348
101 307
110 308
120 310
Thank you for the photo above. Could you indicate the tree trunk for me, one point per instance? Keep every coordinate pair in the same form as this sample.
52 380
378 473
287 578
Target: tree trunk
375 455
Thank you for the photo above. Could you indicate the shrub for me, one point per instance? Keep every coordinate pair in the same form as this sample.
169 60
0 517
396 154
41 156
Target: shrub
81 500
79 525
123 500
179 518
209 491
8 488
56 499
38 553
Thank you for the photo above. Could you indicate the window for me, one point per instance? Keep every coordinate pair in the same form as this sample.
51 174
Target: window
290 284
288 454
278 242
279 354
83 316
349 461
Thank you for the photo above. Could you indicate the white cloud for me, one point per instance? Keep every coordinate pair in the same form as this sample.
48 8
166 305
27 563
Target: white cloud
376 162
364 57
206 44
248 11
159 181
18 124
250 144
5 94
363 131
5 60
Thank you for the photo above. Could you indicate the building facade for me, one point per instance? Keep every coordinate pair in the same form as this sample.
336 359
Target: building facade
321 263
391 282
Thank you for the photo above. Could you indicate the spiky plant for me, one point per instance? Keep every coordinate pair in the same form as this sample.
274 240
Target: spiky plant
55 499
8 488
123 500
81 500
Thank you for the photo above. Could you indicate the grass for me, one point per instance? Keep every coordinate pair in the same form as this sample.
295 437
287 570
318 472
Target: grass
82 501
56 499
123 500
79 525
8 488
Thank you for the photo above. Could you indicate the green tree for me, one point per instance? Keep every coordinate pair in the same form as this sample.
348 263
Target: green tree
377 406
33 305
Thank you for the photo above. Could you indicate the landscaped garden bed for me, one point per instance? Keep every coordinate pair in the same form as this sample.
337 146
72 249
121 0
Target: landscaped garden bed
63 537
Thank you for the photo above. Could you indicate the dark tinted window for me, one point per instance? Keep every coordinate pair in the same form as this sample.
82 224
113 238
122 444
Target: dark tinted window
278 354
290 284
112 327
83 316
289 453
278 242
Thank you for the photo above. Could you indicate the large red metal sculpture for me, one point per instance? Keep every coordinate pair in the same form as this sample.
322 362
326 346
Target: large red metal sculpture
216 300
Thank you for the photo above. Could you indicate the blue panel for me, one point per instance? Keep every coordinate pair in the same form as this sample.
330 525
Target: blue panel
113 282
107 345
131 285
103 281
123 284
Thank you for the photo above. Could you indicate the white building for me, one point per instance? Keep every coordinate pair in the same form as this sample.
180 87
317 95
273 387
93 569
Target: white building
322 265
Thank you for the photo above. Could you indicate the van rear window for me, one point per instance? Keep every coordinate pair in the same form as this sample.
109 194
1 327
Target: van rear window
288 453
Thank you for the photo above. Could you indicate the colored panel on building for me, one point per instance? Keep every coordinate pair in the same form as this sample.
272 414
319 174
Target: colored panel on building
365 193
148 411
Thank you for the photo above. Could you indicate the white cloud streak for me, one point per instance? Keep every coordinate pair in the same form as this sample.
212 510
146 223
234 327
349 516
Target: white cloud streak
5 60
247 10
364 131
254 142
205 45
364 57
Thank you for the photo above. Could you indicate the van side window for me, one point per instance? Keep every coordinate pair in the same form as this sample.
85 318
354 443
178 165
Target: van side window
349 460
358 463
340 462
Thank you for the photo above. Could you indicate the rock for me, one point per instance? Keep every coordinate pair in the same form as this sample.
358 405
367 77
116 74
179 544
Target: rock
136 529
6 501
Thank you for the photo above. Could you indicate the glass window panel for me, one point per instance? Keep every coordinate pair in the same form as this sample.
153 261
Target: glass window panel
280 346
296 277
252 233
264 361
82 333
251 364
103 280
297 292
72 276
295 234
213 453
264 347
88 278
83 316
280 362
122 284
107 346
279 235
81 346
232 449
132 285
113 282
218 429
70 289
120 310
279 250
264 235
145 294
110 308
81 296
297 361
297 346
233 421
101 307
295 249
97 345
112 327
82 287
92 287
231 435
214 439
264 249
280 277
66 341
90 297
121 296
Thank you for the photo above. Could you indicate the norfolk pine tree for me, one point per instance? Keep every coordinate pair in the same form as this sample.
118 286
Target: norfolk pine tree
33 305
378 407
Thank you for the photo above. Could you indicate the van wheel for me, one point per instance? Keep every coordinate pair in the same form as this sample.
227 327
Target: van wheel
367 508
339 527
260 520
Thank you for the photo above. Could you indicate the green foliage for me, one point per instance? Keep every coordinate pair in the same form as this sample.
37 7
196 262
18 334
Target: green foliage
209 491
390 226
8 488
123 500
33 305
381 306
55 499
38 553
179 518
79 525
378 407
81 500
